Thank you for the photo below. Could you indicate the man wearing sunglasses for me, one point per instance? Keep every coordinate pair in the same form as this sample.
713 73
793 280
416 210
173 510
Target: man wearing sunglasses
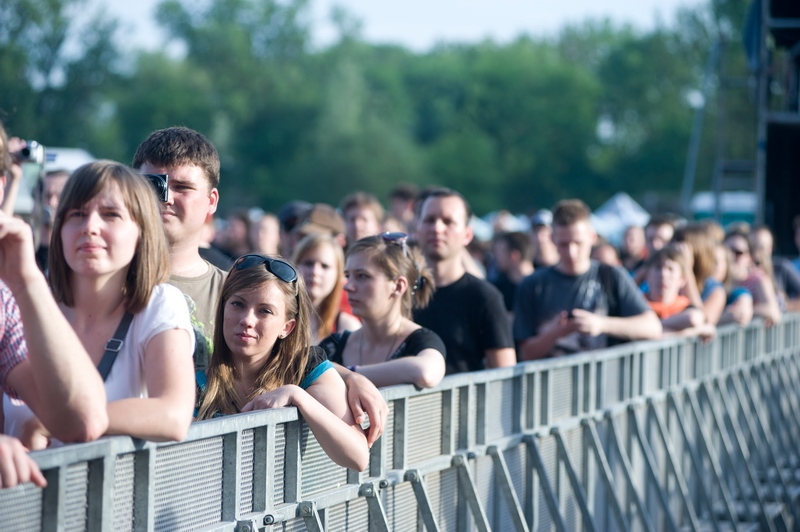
466 312
192 165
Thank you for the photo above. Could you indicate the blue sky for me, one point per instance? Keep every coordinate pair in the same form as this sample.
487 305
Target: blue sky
419 24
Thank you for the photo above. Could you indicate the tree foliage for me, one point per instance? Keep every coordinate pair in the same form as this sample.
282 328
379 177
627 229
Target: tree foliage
598 109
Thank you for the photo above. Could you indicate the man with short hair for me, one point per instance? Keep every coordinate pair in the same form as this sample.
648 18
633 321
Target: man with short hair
363 216
513 259
401 203
466 312
578 304
45 200
544 252
658 232
192 164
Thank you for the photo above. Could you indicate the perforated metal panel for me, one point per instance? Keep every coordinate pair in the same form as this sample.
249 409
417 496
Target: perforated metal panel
401 507
617 467
562 384
457 428
21 508
295 525
319 473
278 481
497 509
573 441
500 412
547 450
388 436
76 497
443 491
123 492
244 503
611 383
425 434
352 515
188 485
489 495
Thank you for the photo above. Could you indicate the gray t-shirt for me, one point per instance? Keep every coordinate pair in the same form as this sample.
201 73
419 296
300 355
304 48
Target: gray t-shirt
547 292
202 295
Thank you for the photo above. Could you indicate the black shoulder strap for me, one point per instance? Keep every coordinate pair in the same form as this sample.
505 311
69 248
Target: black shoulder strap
608 282
114 345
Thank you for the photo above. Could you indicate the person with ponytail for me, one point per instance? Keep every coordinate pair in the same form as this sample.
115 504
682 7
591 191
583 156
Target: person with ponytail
262 359
386 279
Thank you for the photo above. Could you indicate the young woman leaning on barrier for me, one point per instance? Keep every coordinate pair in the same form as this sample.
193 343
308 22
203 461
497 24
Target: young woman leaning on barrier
262 359
386 278
108 265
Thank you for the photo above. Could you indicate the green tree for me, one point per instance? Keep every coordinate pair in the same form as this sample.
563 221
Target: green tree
54 69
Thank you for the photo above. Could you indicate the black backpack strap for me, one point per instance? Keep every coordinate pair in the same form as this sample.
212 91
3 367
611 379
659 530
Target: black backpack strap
114 345
608 282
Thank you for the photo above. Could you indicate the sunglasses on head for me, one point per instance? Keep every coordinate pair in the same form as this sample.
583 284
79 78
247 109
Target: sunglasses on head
396 237
277 267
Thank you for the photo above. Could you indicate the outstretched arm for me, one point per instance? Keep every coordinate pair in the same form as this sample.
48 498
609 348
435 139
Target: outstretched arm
424 370
324 407
765 301
540 345
500 358
57 379
644 326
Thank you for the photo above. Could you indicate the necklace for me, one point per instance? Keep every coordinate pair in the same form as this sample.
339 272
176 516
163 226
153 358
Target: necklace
392 348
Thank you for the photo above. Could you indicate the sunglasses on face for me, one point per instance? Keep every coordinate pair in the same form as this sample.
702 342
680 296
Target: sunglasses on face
277 267
396 237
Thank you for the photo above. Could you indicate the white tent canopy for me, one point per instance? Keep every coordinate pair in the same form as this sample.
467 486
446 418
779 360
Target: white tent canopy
616 214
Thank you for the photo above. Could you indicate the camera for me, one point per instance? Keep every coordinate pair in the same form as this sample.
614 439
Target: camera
160 183
33 152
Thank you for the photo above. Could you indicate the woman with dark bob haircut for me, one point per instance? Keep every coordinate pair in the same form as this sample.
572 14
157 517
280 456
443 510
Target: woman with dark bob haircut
108 266
262 359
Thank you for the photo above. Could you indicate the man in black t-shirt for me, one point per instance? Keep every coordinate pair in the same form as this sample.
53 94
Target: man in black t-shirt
578 304
466 312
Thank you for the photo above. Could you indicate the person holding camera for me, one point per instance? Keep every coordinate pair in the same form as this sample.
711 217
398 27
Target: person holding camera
18 151
108 264
42 360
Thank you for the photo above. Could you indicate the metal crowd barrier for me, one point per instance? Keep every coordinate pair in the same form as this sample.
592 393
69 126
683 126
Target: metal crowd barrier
666 435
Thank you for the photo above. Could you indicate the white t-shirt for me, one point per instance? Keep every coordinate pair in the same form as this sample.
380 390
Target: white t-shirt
166 310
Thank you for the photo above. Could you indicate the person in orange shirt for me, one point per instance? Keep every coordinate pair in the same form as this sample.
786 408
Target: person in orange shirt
666 275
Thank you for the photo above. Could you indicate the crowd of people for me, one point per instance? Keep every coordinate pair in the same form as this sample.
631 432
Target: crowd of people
126 312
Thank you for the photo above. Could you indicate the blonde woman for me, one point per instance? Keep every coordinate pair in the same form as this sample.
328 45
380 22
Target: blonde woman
320 260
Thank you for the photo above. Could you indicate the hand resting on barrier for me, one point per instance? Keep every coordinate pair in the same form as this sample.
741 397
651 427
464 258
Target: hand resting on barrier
16 467
262 359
